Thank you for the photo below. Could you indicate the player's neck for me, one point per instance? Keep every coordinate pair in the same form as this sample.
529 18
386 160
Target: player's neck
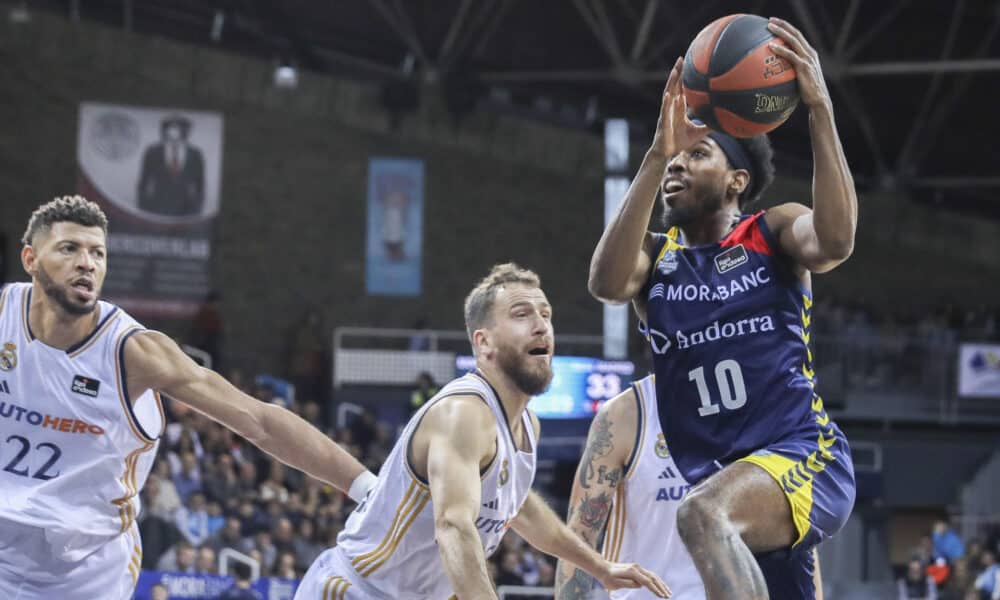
711 228
514 401
53 326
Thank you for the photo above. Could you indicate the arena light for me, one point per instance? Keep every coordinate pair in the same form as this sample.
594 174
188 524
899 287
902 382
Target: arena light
286 77
218 22
19 14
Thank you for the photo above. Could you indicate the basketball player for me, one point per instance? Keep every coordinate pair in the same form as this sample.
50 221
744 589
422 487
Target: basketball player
460 474
81 416
627 473
725 300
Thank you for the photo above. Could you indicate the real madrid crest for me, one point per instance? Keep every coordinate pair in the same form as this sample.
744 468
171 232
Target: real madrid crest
504 474
661 447
8 357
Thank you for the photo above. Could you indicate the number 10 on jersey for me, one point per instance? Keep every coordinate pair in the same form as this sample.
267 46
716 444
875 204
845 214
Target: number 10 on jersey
729 382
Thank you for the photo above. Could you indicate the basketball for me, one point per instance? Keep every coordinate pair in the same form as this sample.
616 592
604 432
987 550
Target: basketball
732 80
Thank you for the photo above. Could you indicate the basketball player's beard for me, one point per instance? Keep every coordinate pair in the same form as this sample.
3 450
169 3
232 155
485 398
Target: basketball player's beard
61 296
531 382
683 215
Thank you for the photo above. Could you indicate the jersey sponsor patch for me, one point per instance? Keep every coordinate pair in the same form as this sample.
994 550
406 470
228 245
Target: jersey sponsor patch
667 264
731 258
85 385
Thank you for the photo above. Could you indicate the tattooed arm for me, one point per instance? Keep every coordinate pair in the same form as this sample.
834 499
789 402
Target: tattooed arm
609 445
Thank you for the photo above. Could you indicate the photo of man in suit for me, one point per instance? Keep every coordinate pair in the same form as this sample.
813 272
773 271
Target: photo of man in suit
172 178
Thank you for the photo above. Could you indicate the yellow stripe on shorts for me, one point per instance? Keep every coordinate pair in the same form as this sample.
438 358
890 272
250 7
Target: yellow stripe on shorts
800 498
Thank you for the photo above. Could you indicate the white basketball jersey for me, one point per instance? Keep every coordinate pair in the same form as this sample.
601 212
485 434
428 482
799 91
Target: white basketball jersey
642 527
388 540
74 449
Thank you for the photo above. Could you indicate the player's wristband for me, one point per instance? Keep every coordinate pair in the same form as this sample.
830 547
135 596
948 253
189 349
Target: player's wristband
361 484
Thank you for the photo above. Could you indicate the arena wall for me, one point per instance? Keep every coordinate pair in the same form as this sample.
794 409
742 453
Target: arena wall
291 231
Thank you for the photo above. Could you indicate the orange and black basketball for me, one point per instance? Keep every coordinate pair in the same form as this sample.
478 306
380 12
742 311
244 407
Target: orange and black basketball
732 80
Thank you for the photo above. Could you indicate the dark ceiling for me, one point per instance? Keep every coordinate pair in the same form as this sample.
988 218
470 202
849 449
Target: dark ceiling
913 82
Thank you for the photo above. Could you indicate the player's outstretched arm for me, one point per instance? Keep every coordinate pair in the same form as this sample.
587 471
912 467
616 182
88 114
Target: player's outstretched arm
601 469
822 238
600 472
621 261
154 361
460 433
541 528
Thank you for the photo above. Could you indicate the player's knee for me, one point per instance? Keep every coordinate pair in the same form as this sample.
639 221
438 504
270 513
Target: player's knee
698 515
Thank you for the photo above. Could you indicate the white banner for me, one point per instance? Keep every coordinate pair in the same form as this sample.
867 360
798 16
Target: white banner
979 370
157 174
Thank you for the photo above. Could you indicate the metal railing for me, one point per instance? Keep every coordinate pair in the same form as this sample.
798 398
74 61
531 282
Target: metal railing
524 591
226 555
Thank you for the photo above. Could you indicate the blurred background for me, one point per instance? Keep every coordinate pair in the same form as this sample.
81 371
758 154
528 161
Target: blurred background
303 192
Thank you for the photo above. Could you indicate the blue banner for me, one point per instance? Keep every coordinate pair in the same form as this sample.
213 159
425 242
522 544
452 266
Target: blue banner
183 586
395 237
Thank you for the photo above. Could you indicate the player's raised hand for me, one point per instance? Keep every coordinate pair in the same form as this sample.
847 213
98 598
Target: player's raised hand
805 59
631 575
674 130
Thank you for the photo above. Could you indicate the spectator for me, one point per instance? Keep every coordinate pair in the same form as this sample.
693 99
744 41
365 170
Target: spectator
273 488
988 581
230 536
188 480
247 484
947 543
262 544
425 390
240 590
193 521
179 559
222 484
159 592
305 546
960 583
283 536
285 567
161 497
206 564
916 585
216 521
508 569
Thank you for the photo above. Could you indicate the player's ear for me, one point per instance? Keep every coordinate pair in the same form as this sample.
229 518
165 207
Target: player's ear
482 343
28 258
739 179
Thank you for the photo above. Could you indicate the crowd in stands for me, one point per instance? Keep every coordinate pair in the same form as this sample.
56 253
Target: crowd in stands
944 567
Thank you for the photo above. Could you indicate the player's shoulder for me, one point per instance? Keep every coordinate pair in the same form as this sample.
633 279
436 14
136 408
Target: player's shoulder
620 412
782 215
463 409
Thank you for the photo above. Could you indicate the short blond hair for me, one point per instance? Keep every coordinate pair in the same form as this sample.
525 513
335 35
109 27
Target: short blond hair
479 302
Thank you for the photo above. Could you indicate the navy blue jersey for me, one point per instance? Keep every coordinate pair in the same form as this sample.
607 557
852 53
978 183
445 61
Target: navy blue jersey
728 324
